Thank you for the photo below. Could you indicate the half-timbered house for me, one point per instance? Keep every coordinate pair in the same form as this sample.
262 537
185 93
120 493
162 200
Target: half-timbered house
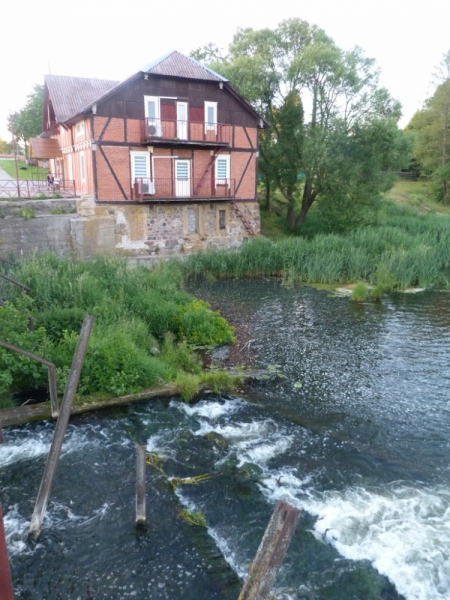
170 153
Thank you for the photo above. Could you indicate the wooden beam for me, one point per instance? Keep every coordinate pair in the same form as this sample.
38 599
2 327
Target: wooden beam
271 552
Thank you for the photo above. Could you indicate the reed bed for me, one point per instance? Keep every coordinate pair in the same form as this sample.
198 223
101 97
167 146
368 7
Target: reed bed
413 249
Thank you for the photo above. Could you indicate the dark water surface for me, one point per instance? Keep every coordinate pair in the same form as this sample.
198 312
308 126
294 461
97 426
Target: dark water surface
357 435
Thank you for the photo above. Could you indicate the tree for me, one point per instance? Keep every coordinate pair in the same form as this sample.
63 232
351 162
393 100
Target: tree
28 121
345 106
5 147
431 127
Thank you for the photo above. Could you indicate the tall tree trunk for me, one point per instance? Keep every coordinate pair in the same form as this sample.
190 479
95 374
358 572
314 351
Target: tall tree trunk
445 192
268 207
308 198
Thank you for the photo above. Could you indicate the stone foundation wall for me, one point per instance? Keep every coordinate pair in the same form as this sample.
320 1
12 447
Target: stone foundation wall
150 232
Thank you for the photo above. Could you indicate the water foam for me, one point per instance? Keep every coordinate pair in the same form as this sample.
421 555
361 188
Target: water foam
209 409
23 444
403 531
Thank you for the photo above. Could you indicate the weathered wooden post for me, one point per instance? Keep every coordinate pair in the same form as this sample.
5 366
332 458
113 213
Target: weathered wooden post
271 551
6 589
61 426
140 484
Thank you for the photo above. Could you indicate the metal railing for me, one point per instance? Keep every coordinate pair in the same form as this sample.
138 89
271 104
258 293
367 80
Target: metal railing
27 188
188 131
174 188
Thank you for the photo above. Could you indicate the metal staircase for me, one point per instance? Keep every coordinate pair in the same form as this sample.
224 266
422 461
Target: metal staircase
240 214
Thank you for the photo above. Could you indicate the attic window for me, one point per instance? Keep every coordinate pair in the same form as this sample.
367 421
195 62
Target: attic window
80 128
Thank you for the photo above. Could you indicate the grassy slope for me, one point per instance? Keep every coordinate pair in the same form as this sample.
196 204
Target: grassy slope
24 170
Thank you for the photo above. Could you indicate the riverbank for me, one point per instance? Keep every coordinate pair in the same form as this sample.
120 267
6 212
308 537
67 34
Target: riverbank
148 331
405 248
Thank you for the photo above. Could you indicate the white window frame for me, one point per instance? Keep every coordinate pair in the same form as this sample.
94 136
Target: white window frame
150 168
210 126
157 117
80 128
82 167
221 180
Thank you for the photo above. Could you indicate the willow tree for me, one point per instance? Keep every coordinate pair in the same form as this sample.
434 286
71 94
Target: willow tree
343 106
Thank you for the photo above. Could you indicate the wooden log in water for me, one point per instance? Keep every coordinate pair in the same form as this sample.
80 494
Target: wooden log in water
141 455
37 412
60 428
271 551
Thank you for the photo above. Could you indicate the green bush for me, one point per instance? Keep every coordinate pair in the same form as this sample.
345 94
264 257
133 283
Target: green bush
201 327
58 320
17 371
360 292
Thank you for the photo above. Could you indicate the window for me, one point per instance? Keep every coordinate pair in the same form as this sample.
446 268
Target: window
223 170
222 219
211 116
141 173
80 128
192 220
153 114
82 167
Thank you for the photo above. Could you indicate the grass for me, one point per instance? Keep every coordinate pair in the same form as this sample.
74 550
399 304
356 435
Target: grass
24 170
146 326
406 246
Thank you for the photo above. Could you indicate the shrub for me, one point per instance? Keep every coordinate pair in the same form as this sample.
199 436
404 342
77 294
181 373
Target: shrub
360 291
58 320
201 327
17 371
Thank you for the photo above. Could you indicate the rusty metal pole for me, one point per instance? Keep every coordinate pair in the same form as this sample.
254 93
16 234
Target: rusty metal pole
140 484
60 428
271 551
6 589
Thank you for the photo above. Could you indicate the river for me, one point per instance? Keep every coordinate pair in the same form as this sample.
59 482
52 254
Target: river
356 434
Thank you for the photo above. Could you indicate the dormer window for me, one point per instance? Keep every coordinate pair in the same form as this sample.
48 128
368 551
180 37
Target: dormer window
80 128
210 116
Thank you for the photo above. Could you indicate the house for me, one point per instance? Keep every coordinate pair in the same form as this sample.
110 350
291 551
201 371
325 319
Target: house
169 155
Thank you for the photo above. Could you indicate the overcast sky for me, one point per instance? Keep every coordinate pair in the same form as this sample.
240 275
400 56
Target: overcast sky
113 39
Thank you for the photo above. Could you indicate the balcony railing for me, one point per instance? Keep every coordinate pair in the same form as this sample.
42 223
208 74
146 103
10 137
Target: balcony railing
185 131
182 188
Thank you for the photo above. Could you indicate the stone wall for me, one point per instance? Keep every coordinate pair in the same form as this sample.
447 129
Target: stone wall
168 229
151 232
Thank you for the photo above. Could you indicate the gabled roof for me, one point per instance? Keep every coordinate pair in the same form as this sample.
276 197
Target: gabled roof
73 96
175 64
70 95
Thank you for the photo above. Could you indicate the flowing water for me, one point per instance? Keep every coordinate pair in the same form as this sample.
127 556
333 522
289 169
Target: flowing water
356 435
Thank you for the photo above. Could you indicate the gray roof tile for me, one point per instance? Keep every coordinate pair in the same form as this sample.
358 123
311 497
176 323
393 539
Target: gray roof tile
70 95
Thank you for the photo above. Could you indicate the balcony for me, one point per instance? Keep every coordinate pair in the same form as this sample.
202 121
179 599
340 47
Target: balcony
186 133
172 189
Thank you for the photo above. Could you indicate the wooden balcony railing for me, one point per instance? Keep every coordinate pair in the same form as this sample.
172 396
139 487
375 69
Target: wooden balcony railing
182 188
185 131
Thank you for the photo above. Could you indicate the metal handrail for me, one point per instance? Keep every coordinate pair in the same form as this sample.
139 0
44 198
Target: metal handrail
190 187
185 130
